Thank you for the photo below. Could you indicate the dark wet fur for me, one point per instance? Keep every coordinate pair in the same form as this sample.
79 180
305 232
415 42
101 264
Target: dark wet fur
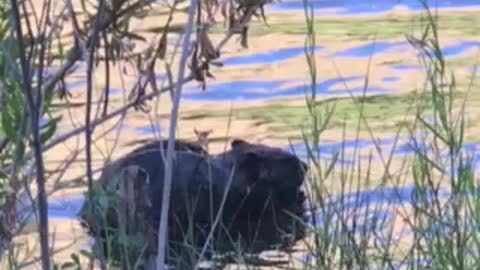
264 193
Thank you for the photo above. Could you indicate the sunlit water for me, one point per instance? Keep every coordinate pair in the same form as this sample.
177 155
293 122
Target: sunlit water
355 7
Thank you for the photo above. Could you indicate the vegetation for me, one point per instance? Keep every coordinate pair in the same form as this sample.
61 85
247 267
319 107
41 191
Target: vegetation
420 214
456 24
383 112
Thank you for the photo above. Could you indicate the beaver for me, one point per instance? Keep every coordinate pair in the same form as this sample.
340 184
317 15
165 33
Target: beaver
255 189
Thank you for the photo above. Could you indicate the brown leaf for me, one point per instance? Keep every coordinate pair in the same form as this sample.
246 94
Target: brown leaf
152 81
244 37
170 80
207 49
162 46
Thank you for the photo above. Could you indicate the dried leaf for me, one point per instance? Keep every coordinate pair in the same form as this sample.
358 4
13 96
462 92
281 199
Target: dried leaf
162 46
152 80
170 80
207 49
210 75
217 64
244 37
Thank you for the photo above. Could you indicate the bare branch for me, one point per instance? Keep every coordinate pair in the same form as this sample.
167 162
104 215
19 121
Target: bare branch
88 128
37 147
163 227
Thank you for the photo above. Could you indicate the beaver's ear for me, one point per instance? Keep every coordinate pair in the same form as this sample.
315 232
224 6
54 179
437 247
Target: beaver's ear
238 143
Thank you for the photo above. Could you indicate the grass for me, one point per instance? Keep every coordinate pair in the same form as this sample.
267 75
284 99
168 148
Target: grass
462 62
385 27
441 228
382 112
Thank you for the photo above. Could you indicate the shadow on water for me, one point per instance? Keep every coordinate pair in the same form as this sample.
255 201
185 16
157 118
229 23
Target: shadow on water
270 57
354 7
261 90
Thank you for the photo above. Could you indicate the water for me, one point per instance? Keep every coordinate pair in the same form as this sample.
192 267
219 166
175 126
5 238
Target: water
390 79
369 49
46 72
81 85
404 67
355 7
261 90
148 130
76 85
376 47
366 207
42 122
457 48
363 211
65 208
460 47
237 90
329 150
69 207
51 70
271 57
342 152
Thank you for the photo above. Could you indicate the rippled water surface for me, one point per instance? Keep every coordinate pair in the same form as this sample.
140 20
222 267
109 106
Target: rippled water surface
352 7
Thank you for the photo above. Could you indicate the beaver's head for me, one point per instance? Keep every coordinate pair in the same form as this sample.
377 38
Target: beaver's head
268 166
272 204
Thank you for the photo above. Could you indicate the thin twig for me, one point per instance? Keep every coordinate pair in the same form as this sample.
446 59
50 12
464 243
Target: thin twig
89 128
107 73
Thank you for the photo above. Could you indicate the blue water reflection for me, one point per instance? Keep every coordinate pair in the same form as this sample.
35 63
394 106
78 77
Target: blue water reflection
148 130
65 208
82 85
460 47
404 67
390 79
354 7
366 150
270 57
370 48
260 90
329 150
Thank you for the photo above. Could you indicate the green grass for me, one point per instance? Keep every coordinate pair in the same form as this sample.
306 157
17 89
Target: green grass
382 112
463 62
364 28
